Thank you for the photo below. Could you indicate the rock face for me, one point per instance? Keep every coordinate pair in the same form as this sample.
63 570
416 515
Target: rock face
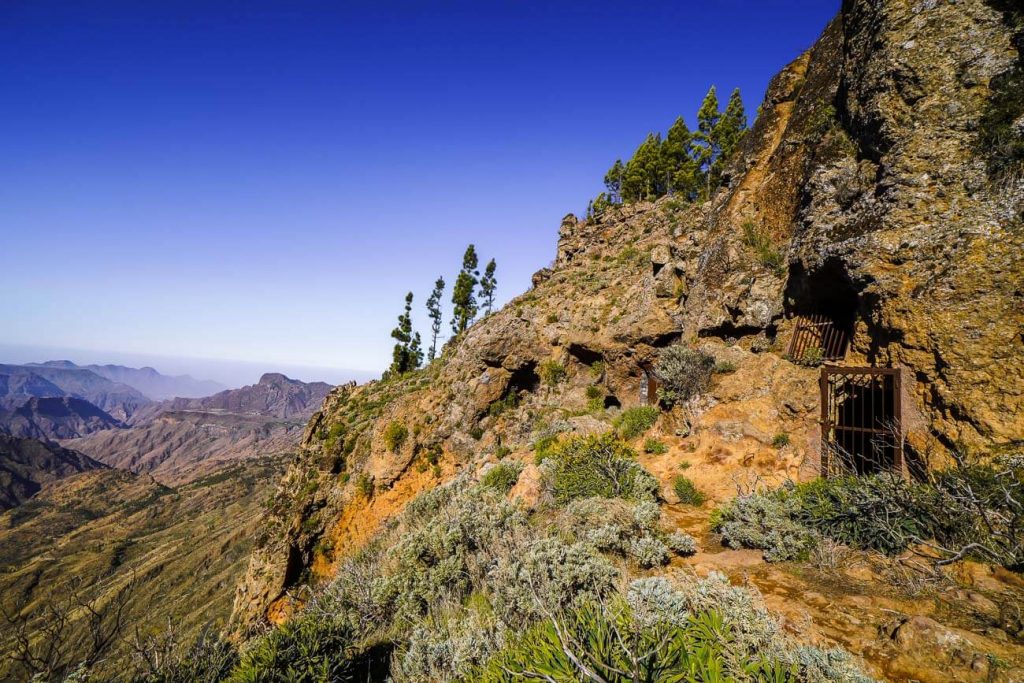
26 465
864 171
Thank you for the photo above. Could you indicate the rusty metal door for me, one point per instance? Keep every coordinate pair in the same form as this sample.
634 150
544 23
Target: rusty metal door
861 420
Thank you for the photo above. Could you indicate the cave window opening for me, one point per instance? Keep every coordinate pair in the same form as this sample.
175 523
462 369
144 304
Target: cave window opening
824 308
861 421
612 402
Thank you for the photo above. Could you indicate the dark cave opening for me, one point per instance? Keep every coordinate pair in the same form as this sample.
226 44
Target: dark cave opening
825 302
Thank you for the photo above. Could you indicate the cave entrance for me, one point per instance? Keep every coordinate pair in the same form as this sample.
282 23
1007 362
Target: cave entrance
861 421
824 307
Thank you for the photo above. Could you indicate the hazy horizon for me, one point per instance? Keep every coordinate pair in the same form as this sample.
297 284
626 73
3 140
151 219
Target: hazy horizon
231 373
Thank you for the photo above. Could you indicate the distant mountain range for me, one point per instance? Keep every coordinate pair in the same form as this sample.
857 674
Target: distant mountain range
147 380
181 439
60 400
19 383
26 465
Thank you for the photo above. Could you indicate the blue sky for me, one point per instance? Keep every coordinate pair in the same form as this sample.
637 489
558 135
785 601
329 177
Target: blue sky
263 181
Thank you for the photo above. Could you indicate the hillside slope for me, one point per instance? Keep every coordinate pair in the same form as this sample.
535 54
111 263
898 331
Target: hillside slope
865 169
26 465
174 553
56 418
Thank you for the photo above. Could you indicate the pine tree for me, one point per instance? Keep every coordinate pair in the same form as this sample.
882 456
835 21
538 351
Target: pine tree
406 355
613 181
728 133
677 150
488 283
645 174
707 150
463 296
415 352
434 312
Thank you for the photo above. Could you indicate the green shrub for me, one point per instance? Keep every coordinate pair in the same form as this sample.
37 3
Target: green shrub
364 484
686 491
654 447
760 242
780 440
503 476
813 356
766 522
312 647
724 367
334 434
598 465
683 372
635 421
210 657
502 452
544 447
633 531
395 435
477 433
551 372
972 508
661 632
500 406
594 391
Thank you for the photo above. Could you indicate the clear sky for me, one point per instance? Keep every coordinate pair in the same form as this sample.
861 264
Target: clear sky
263 181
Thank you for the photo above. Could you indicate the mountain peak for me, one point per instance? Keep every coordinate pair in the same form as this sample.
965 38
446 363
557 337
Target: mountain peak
275 378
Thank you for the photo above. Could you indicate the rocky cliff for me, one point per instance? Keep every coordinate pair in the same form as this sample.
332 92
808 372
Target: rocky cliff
866 171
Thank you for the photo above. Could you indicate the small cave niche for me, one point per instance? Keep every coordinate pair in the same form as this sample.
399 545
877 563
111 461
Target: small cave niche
585 355
612 401
294 566
824 303
524 378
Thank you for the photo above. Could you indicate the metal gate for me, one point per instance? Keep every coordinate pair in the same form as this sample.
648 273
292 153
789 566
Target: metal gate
818 331
861 420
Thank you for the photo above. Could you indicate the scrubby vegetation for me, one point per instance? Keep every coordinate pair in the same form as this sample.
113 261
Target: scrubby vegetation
551 372
971 510
395 435
464 586
636 421
683 372
760 242
602 465
502 477
655 447
687 491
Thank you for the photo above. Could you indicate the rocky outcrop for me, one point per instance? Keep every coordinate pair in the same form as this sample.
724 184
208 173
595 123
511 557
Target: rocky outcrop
871 201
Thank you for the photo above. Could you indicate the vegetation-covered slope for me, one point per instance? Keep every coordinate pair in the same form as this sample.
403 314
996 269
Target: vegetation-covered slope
153 561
